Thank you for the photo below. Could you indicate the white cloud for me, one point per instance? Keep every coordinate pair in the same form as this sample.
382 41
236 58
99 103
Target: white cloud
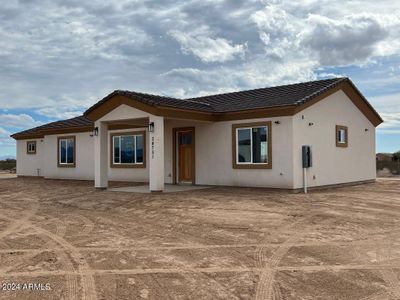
5 139
58 57
18 121
208 49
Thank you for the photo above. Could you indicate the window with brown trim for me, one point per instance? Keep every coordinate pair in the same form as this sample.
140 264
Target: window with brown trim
251 145
66 157
342 136
128 149
31 147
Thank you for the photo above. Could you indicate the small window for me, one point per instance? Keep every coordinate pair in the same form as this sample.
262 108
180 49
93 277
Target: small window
128 150
31 147
341 136
66 151
252 145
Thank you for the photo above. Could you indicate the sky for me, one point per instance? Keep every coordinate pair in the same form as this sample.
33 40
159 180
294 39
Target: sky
58 57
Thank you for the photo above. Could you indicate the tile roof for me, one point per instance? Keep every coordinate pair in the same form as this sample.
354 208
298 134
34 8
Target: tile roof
77 122
285 95
291 94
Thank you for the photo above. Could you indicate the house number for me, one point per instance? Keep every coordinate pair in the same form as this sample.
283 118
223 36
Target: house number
152 147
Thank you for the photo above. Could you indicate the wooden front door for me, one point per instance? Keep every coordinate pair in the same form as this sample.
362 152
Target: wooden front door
185 155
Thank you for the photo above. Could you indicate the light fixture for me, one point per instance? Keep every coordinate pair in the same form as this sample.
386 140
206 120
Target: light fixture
151 127
95 131
366 129
278 122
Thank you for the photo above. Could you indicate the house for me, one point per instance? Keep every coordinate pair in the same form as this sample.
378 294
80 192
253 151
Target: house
249 138
384 156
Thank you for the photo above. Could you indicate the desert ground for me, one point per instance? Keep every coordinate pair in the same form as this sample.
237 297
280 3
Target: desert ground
65 240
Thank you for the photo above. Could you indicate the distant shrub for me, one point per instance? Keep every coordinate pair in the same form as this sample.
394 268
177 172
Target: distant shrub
392 166
396 156
8 164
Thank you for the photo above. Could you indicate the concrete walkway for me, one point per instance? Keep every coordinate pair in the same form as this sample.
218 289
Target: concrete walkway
388 178
7 175
169 188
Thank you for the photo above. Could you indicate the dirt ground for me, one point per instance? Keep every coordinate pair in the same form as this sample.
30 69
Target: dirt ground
65 240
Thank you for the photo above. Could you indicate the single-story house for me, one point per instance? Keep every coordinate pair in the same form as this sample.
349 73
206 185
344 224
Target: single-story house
249 138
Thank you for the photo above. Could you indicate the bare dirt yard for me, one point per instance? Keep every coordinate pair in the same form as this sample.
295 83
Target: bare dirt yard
65 240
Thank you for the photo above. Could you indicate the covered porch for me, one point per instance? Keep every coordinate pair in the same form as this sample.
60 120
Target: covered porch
145 148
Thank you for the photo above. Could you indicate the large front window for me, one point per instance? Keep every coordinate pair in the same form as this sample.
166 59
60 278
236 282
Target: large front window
128 149
252 145
66 151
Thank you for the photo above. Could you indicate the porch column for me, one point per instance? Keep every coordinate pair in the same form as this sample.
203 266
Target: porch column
100 156
156 155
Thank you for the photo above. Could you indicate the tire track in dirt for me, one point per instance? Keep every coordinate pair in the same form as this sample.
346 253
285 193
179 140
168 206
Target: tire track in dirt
388 275
98 272
265 287
71 281
17 224
88 284
87 280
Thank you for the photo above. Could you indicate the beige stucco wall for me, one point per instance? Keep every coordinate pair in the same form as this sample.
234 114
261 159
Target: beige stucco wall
128 174
84 169
30 164
331 164
214 154
125 112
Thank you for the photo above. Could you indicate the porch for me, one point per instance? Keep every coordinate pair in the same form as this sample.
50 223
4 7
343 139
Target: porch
150 148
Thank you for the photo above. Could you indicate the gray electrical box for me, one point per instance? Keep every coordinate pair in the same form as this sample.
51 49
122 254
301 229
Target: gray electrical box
307 156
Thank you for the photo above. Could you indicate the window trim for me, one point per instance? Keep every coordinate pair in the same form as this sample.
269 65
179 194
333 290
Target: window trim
27 147
346 130
66 165
252 165
134 165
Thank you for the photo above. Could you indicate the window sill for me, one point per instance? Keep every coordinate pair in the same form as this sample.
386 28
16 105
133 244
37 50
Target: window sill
252 166
128 166
66 165
341 145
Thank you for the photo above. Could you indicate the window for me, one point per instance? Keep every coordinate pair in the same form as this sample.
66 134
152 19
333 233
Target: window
128 149
341 136
31 147
66 151
252 145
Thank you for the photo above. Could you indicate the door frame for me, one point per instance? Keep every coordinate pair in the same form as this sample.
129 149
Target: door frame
175 131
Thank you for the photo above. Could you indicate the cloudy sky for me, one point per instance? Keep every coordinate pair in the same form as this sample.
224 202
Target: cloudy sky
58 57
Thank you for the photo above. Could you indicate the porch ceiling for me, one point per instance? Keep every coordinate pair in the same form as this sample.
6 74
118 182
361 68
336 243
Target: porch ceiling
129 123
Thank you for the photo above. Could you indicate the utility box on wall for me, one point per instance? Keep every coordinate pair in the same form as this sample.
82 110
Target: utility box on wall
307 156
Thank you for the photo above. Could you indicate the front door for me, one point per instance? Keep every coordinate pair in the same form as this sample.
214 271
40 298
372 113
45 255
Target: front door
185 155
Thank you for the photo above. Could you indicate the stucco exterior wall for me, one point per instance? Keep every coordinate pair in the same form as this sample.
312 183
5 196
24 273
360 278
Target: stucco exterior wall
30 164
125 112
84 169
128 174
214 154
331 164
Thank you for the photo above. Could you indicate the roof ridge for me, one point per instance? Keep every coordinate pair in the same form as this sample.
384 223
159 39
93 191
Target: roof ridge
161 96
268 87
312 95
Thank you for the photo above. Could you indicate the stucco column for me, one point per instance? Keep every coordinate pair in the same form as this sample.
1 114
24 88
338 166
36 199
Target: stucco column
100 156
156 154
